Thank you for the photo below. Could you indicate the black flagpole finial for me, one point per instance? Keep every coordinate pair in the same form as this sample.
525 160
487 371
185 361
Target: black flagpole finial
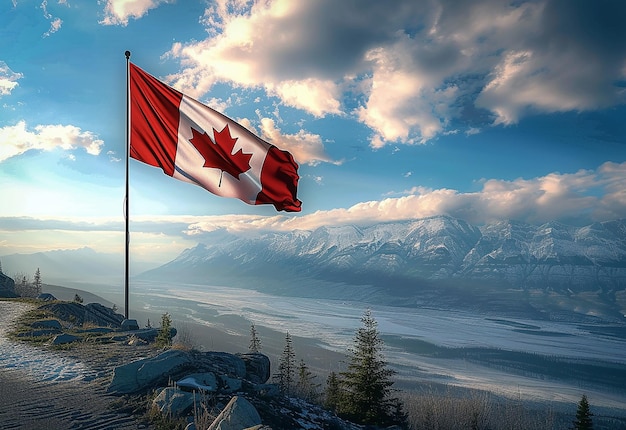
127 53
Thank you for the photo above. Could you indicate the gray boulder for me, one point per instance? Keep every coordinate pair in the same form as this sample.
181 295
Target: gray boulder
145 373
257 367
7 286
49 324
149 334
64 338
46 297
198 382
129 325
222 363
97 330
230 385
78 314
237 415
174 402
102 316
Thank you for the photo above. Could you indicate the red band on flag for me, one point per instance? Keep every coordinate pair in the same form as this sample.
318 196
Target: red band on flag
280 181
153 120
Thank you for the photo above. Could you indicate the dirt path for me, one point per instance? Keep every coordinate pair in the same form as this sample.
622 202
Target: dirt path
44 389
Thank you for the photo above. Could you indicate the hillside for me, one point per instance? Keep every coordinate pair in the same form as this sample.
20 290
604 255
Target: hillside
417 260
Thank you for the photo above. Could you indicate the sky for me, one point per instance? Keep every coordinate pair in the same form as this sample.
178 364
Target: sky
484 110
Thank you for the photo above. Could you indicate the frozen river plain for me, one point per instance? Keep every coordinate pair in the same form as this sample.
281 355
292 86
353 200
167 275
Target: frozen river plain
530 360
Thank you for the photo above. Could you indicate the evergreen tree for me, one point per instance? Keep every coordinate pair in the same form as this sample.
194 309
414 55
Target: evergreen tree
305 385
332 395
164 336
37 283
1 267
367 382
255 342
286 368
583 415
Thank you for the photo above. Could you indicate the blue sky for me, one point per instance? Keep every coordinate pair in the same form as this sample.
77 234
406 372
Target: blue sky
481 110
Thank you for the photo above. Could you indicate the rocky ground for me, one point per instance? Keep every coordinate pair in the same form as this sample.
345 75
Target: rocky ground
40 388
114 380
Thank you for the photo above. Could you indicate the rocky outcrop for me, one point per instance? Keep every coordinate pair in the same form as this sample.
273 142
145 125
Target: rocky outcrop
50 324
7 286
257 367
174 402
230 371
237 415
78 314
64 338
147 373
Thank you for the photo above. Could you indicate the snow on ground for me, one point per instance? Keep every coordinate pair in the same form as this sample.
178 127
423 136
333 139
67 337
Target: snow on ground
334 324
35 363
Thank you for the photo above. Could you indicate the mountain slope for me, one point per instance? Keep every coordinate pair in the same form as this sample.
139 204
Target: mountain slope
402 257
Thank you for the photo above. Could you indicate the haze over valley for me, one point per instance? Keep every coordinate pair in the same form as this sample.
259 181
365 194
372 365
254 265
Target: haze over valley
503 307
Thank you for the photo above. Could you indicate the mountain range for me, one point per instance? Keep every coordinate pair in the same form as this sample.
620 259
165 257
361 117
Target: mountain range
440 261
412 259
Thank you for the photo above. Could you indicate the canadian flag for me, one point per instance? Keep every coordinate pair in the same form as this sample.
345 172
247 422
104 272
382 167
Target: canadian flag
194 143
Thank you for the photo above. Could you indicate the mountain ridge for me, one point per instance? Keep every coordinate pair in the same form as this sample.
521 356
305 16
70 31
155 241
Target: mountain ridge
512 254
404 262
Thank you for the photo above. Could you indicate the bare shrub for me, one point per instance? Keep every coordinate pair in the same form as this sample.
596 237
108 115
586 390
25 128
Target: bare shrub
203 416
184 339
475 410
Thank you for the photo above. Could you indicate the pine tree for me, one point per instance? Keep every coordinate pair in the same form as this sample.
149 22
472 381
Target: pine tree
37 283
367 382
583 416
164 336
305 385
286 368
255 342
332 395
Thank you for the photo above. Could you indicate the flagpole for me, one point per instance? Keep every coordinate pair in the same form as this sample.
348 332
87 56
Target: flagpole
126 205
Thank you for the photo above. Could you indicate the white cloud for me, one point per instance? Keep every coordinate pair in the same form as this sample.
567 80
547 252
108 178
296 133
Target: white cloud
565 197
8 79
305 147
406 103
411 69
55 23
573 197
316 96
18 139
118 12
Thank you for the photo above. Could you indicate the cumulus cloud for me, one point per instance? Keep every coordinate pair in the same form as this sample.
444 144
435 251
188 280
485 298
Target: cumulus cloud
305 147
118 12
18 139
578 198
411 69
8 79
572 198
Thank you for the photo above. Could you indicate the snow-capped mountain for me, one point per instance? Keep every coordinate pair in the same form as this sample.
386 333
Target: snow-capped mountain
404 256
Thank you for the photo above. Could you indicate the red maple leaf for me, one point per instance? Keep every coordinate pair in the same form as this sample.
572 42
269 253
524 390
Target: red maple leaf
219 154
